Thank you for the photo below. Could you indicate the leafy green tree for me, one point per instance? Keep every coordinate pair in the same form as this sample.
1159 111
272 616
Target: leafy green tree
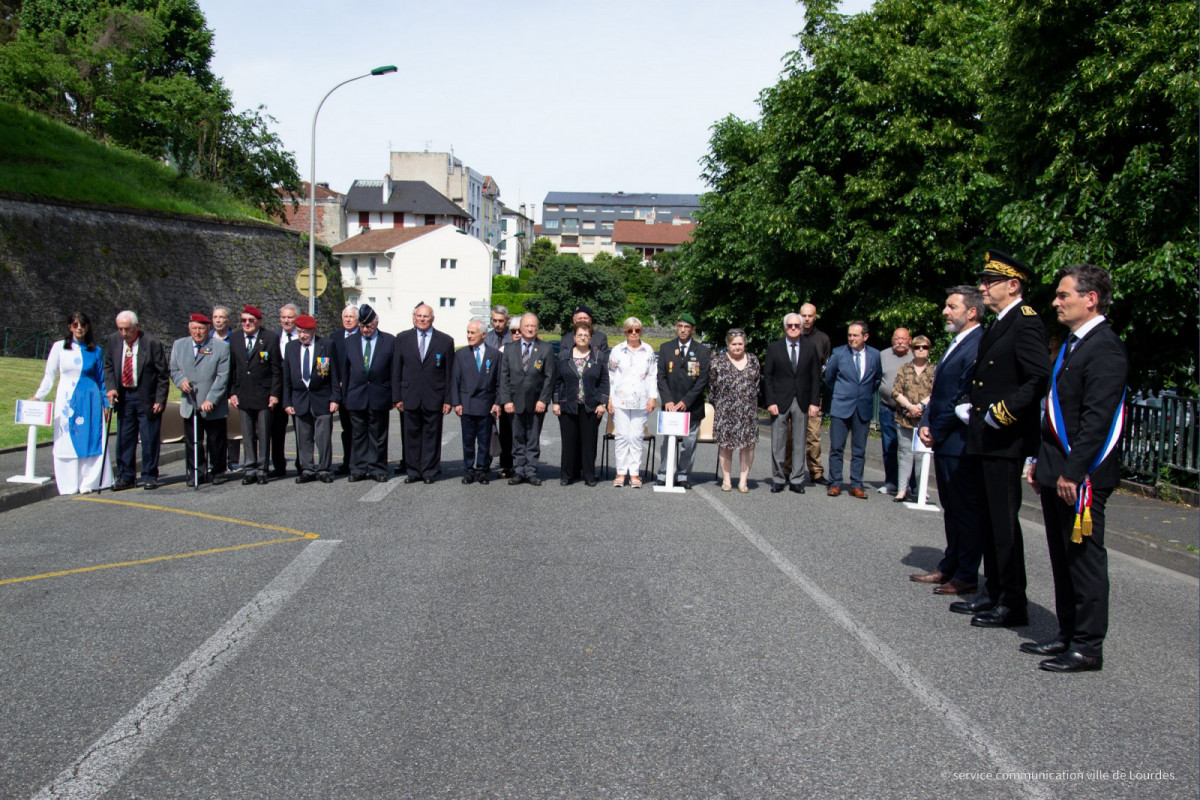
565 282
541 251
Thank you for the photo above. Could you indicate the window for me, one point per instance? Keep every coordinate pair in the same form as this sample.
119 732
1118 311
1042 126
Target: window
626 210
449 263
589 225
609 210
430 219
447 302
587 241
570 226
354 265
364 219
606 226
587 210
570 208
551 225
371 267
550 208
504 226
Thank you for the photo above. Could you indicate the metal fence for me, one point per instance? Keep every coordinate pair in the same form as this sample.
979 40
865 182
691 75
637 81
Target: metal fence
1161 435
27 343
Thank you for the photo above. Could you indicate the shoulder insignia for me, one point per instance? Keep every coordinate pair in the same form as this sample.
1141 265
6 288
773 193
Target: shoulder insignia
1028 311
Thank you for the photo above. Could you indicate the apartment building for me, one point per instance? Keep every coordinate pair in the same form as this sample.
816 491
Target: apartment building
583 222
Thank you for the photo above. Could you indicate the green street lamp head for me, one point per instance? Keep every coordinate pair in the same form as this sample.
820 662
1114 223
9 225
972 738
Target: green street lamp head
384 70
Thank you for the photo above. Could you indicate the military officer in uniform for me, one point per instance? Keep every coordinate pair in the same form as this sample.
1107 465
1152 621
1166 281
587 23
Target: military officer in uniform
683 365
1011 369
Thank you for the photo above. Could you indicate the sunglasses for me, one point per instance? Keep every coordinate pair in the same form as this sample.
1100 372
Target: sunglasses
792 325
920 347
633 330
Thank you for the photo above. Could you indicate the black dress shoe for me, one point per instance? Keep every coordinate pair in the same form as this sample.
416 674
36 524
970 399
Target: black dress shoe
468 478
324 477
262 479
976 606
412 479
534 481
684 484
341 469
217 480
1073 661
305 477
150 485
1051 648
797 488
515 480
246 481
1000 617
660 482
277 473
427 481
121 486
821 480
592 482
355 477
565 481
776 488
483 479
380 477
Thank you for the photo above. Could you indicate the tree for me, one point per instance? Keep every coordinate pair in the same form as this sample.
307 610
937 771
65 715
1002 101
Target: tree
565 282
541 251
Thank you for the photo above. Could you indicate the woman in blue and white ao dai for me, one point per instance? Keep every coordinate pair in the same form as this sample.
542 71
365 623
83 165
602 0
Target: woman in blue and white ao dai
80 464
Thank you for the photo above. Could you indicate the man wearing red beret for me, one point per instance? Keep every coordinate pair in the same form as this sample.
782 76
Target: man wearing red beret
257 379
200 368
310 397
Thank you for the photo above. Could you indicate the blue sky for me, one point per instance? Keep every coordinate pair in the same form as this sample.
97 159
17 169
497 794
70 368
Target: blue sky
542 96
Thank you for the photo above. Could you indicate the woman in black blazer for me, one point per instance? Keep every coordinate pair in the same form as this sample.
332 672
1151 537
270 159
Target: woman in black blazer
580 396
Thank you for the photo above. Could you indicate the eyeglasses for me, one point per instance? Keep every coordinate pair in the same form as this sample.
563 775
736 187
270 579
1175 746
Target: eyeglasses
248 320
633 330
77 324
920 347
792 325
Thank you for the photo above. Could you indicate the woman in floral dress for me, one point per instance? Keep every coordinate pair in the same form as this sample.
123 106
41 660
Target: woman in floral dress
733 392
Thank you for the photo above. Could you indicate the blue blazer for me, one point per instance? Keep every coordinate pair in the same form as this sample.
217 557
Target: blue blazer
850 395
473 388
951 386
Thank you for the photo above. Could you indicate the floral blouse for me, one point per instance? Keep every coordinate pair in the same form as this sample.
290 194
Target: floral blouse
632 376
915 389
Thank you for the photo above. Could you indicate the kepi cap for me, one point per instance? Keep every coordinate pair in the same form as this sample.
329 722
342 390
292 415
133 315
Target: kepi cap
1001 265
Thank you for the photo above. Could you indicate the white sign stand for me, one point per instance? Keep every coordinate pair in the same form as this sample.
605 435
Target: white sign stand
922 503
672 425
30 450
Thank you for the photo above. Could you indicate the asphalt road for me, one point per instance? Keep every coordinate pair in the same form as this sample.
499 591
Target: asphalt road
450 641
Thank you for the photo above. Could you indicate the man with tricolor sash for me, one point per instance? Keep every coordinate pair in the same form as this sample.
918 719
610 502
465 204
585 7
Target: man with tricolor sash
1078 466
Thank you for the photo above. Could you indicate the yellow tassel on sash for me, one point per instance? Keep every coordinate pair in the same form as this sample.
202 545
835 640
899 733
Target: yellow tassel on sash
1083 525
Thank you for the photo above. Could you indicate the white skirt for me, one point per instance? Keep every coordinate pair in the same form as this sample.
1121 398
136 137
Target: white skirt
81 475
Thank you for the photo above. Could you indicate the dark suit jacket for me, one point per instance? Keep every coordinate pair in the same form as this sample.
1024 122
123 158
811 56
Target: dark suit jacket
1091 384
782 384
258 375
850 394
423 385
1011 369
524 388
599 341
951 386
595 381
368 390
150 368
323 384
683 375
475 389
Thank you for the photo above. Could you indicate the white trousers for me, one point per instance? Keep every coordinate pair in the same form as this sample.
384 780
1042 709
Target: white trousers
629 425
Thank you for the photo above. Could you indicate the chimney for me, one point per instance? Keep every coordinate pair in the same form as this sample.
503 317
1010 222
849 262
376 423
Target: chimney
387 188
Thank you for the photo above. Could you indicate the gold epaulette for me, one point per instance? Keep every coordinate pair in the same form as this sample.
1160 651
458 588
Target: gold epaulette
1002 414
1028 311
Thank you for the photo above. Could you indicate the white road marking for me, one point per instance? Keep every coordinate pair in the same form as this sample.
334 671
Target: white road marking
111 756
909 677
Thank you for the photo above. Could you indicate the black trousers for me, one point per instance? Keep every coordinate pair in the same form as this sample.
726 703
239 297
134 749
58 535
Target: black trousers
505 432
279 429
347 434
1080 572
579 445
422 441
1003 545
369 443
256 434
133 421
958 492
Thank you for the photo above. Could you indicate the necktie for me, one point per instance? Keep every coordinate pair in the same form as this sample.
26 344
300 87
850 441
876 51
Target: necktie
367 357
479 358
794 360
304 367
423 335
249 344
858 364
127 368
525 357
1072 340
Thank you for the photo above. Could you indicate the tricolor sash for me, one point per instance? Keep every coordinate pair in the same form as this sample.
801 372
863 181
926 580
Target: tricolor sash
1083 498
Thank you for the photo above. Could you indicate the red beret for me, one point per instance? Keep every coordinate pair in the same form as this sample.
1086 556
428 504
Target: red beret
252 311
201 318
306 322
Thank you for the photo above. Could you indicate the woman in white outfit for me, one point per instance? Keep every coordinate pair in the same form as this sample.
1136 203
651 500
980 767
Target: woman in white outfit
80 464
632 393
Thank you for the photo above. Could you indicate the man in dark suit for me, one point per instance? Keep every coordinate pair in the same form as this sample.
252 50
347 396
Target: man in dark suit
138 377
792 390
279 418
1011 368
474 384
526 388
368 394
310 397
421 374
257 379
683 367
1078 466
200 368
852 376
944 428
338 341
819 340
599 338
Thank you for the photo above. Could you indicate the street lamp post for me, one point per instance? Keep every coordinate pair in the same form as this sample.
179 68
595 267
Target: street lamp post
312 189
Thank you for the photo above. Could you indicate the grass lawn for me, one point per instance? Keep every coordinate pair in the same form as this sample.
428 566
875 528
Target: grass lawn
19 379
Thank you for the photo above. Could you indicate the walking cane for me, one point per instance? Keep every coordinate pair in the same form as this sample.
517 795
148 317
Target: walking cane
195 440
104 451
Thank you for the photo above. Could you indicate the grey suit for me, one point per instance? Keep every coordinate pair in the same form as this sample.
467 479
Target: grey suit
208 373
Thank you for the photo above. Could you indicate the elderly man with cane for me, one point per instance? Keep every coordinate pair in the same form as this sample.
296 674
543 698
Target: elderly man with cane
200 368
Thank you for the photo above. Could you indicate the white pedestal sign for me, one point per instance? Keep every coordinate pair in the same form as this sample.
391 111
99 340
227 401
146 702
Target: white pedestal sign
672 424
33 414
